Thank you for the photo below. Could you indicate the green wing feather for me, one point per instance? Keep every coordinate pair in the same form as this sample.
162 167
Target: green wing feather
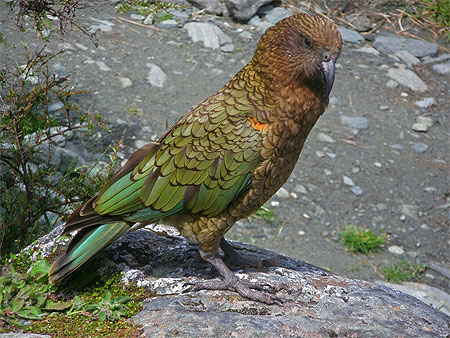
200 165
216 154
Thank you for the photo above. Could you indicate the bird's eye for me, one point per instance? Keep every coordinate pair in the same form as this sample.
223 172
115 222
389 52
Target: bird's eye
307 42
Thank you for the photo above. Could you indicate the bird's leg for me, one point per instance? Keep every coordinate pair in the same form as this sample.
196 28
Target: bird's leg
232 282
232 257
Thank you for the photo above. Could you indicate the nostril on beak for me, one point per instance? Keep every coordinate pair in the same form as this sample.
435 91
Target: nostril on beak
326 56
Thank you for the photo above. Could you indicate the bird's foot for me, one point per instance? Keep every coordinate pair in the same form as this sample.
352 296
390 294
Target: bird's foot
231 282
234 258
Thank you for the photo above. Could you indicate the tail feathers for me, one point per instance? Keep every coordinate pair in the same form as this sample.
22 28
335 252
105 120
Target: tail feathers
84 246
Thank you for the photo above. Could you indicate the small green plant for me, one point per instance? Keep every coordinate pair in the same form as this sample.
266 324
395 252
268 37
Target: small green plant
359 240
28 295
146 7
265 214
432 13
402 271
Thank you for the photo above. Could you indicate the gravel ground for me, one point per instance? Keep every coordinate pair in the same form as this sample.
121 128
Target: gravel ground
366 163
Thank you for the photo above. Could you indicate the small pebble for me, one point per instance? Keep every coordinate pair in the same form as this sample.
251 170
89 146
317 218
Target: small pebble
402 218
396 250
274 203
383 107
282 193
419 147
348 181
377 164
422 127
357 190
300 189
301 233
356 170
429 275
293 195
306 216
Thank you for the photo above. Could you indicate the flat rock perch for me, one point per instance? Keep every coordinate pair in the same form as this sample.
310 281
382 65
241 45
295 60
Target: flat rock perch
315 302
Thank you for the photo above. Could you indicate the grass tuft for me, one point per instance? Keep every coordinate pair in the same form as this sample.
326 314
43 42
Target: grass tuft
359 240
403 271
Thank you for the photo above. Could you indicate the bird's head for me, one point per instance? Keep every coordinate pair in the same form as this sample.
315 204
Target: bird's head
301 51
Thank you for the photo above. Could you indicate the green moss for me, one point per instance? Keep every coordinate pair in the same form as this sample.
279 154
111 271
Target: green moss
99 309
359 240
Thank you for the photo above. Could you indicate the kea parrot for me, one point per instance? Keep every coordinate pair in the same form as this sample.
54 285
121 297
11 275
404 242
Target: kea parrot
223 159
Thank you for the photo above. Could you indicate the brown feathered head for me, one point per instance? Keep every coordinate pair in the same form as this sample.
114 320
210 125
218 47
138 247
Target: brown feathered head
300 50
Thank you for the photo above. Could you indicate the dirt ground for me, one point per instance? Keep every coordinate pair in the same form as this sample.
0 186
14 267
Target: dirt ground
405 194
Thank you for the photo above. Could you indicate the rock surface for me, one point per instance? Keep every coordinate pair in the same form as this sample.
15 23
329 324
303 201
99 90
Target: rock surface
313 301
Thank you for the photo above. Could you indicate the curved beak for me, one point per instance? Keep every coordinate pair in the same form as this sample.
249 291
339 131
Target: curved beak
328 69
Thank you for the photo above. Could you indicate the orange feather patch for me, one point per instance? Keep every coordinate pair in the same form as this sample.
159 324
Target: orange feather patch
256 124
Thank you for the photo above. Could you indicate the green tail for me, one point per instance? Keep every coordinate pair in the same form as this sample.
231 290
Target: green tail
84 246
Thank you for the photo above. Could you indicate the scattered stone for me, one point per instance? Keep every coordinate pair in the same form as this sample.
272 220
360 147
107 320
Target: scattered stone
293 195
301 233
426 102
429 275
392 84
121 122
243 10
368 50
361 23
139 143
407 78
325 138
257 22
245 35
227 48
381 206
331 155
103 25
390 44
429 59
138 17
156 77
148 20
407 58
442 68
274 203
355 122
282 193
441 269
348 181
320 153
396 250
356 170
410 210
402 218
277 14
300 189
100 64
351 36
208 33
125 82
383 107
420 126
427 120
357 190
419 147
167 24
210 6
